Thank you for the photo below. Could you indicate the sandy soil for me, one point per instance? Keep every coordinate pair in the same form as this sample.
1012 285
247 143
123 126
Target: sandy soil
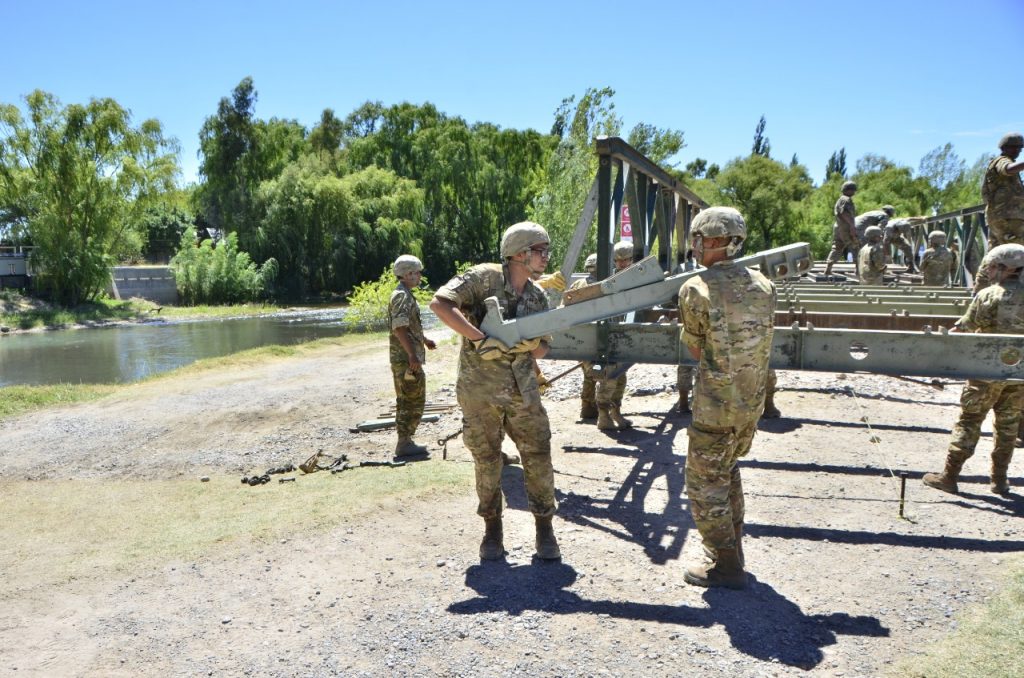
841 585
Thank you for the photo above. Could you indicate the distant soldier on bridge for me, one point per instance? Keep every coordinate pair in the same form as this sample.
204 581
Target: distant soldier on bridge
938 265
844 229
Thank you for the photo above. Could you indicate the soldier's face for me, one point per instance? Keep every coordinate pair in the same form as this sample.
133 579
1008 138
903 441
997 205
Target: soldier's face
1011 151
623 264
412 280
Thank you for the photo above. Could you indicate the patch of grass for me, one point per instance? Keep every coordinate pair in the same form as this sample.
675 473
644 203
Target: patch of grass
58 531
988 643
15 400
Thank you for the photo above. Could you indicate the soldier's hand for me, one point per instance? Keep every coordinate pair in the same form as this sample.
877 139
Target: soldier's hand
542 383
429 343
525 346
490 348
554 281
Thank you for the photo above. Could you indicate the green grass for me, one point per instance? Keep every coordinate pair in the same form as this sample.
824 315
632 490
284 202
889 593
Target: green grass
989 642
15 400
58 531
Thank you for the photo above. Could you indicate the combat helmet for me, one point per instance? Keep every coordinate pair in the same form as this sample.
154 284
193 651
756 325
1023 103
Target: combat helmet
590 265
849 185
889 209
1012 139
872 232
1010 255
623 250
406 263
936 238
522 236
721 222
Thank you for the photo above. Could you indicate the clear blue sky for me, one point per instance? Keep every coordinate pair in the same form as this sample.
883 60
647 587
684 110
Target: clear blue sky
896 78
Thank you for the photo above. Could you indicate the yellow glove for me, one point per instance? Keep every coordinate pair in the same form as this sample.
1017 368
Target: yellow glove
542 383
490 348
525 346
554 281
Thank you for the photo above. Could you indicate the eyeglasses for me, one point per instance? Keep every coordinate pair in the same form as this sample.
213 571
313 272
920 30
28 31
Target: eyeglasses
542 251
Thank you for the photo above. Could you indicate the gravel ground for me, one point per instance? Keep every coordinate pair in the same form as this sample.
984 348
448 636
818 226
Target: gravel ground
841 585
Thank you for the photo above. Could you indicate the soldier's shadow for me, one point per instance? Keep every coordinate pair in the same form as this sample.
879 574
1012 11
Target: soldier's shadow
760 622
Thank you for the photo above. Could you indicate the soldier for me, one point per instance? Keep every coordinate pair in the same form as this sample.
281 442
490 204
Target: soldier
938 265
1003 193
844 229
997 309
871 258
588 401
497 385
611 382
407 354
879 217
727 316
896 232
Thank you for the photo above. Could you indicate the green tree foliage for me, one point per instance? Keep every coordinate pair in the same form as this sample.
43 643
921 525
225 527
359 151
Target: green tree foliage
76 178
697 168
768 195
836 164
657 144
161 228
219 274
945 172
761 146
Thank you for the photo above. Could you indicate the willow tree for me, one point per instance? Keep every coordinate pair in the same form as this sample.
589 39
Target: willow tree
79 176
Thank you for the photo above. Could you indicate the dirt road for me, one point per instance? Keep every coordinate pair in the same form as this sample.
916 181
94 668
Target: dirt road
840 585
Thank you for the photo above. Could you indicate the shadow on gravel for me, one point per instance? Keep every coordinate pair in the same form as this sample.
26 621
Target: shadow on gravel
816 534
625 514
861 425
870 396
760 622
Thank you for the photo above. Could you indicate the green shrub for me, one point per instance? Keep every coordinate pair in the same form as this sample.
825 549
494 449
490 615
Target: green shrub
368 302
219 274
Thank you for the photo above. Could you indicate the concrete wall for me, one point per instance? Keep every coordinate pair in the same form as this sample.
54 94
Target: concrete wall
155 283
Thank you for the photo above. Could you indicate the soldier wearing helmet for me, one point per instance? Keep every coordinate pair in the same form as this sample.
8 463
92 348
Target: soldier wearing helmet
727 315
844 229
997 309
897 232
1003 194
498 388
938 265
879 217
407 355
871 257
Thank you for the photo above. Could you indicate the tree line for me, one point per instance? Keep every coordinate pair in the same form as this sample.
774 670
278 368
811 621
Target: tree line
306 212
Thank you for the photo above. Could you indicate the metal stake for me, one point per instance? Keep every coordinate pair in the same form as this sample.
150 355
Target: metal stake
903 490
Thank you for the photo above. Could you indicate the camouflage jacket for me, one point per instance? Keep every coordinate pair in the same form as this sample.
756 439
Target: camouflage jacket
897 228
403 311
871 263
872 218
503 380
728 311
845 213
997 309
938 266
1003 193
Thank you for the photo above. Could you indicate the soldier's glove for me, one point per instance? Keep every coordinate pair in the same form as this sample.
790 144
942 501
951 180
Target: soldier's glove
542 383
554 281
490 348
525 346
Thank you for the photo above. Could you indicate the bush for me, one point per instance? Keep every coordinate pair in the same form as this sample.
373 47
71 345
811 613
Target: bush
221 274
368 303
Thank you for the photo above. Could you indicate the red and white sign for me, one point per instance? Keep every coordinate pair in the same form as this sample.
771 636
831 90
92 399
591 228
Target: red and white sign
625 225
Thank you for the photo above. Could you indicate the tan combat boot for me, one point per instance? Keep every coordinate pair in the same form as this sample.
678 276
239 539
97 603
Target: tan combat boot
1000 485
770 411
828 268
547 545
620 421
945 481
588 410
604 419
725 572
711 554
407 448
492 548
683 406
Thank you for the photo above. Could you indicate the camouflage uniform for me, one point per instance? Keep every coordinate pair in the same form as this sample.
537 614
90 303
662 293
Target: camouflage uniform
895 232
871 263
998 309
727 311
588 394
1004 203
502 395
844 232
938 266
873 218
410 388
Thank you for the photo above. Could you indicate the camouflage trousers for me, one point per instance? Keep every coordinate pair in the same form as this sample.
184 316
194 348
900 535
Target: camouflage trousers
902 245
684 377
610 390
713 482
978 397
483 427
1000 232
588 394
410 397
840 246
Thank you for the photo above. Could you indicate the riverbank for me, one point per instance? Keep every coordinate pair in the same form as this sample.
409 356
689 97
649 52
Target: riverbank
373 571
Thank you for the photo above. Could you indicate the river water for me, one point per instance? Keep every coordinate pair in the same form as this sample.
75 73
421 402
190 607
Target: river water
124 353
